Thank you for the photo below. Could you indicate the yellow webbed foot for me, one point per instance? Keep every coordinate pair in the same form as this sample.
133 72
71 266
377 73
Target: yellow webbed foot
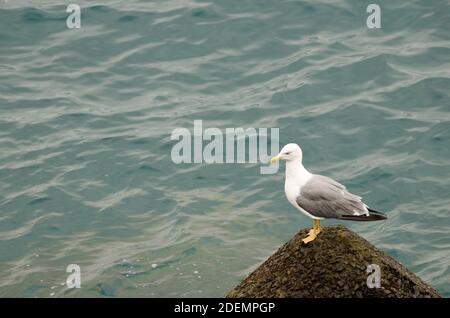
309 238
312 234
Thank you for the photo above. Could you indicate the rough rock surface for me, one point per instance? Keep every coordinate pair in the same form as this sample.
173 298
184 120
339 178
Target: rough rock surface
333 265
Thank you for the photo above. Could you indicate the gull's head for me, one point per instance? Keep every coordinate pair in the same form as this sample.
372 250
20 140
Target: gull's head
290 152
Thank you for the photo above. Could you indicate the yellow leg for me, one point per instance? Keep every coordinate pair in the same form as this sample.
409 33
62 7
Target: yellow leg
319 229
313 232
314 229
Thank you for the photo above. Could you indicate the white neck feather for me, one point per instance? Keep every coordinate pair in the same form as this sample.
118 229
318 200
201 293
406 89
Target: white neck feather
296 171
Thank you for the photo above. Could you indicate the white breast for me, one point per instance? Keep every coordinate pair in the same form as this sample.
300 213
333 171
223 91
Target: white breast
296 178
292 190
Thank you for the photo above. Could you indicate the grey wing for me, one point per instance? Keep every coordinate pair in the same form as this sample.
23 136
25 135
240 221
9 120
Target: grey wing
324 197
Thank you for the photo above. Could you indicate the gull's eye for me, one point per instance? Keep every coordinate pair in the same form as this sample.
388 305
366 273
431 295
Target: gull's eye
288 153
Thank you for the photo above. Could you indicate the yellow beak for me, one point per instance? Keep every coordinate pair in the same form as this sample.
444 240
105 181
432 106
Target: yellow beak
276 158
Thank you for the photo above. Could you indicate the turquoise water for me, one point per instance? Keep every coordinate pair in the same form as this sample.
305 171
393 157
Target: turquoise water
86 175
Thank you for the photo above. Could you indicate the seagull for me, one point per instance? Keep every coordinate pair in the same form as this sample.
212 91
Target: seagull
320 197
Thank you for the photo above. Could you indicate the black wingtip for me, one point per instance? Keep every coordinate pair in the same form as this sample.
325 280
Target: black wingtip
373 216
381 216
